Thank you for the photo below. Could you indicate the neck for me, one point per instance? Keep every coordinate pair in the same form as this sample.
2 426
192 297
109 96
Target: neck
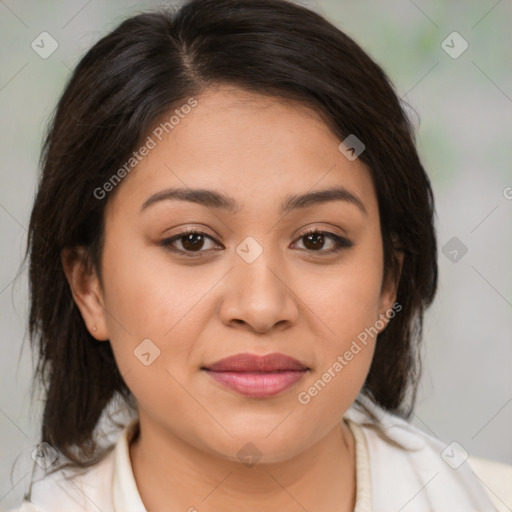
174 475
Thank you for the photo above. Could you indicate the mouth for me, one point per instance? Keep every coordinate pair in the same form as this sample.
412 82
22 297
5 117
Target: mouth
257 376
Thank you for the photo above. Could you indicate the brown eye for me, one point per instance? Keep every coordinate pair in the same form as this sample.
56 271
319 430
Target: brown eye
191 242
315 240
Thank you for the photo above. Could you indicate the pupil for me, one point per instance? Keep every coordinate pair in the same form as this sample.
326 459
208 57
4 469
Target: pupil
193 245
317 240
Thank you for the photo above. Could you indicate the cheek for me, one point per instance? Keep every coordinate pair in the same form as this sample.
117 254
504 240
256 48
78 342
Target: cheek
347 303
148 294
151 297
147 298
347 298
349 312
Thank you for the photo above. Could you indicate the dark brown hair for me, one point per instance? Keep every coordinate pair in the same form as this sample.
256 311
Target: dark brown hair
125 83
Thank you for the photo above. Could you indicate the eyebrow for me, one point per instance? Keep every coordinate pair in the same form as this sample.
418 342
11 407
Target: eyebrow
218 200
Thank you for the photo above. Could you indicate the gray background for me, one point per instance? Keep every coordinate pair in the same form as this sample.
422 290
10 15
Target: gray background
464 120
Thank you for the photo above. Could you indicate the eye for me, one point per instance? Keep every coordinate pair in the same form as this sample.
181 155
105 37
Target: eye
192 241
314 240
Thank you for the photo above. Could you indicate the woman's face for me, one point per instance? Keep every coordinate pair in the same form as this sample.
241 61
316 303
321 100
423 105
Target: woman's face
252 281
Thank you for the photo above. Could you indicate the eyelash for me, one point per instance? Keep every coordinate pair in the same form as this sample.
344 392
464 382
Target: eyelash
342 243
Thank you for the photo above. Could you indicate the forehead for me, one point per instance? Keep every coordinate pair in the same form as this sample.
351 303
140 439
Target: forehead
257 149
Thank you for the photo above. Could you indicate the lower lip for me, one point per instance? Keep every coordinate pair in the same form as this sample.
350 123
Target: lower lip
258 385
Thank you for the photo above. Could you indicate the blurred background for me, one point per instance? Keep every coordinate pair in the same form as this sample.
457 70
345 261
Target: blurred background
451 62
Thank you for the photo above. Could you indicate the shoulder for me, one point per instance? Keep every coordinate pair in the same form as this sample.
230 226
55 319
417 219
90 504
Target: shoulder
411 470
71 490
95 488
496 477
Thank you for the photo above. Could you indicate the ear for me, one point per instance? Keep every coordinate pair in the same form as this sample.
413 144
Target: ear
86 290
389 291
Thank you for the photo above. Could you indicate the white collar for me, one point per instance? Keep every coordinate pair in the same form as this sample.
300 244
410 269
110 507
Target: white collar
385 474
126 497
412 478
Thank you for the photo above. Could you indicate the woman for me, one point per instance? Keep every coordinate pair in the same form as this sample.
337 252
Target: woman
234 237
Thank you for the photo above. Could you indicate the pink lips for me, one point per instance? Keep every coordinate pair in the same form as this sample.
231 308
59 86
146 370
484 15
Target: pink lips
257 376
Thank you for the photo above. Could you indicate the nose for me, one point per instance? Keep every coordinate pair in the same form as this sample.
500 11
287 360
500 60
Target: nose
258 297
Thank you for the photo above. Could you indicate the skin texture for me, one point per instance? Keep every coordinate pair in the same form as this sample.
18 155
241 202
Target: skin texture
301 301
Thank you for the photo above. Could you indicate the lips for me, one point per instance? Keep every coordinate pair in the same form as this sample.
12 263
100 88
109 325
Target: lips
257 376
252 363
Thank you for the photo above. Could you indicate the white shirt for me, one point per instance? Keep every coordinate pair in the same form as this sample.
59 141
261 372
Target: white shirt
423 475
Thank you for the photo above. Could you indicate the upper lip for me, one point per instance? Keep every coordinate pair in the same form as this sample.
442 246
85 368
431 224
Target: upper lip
246 362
